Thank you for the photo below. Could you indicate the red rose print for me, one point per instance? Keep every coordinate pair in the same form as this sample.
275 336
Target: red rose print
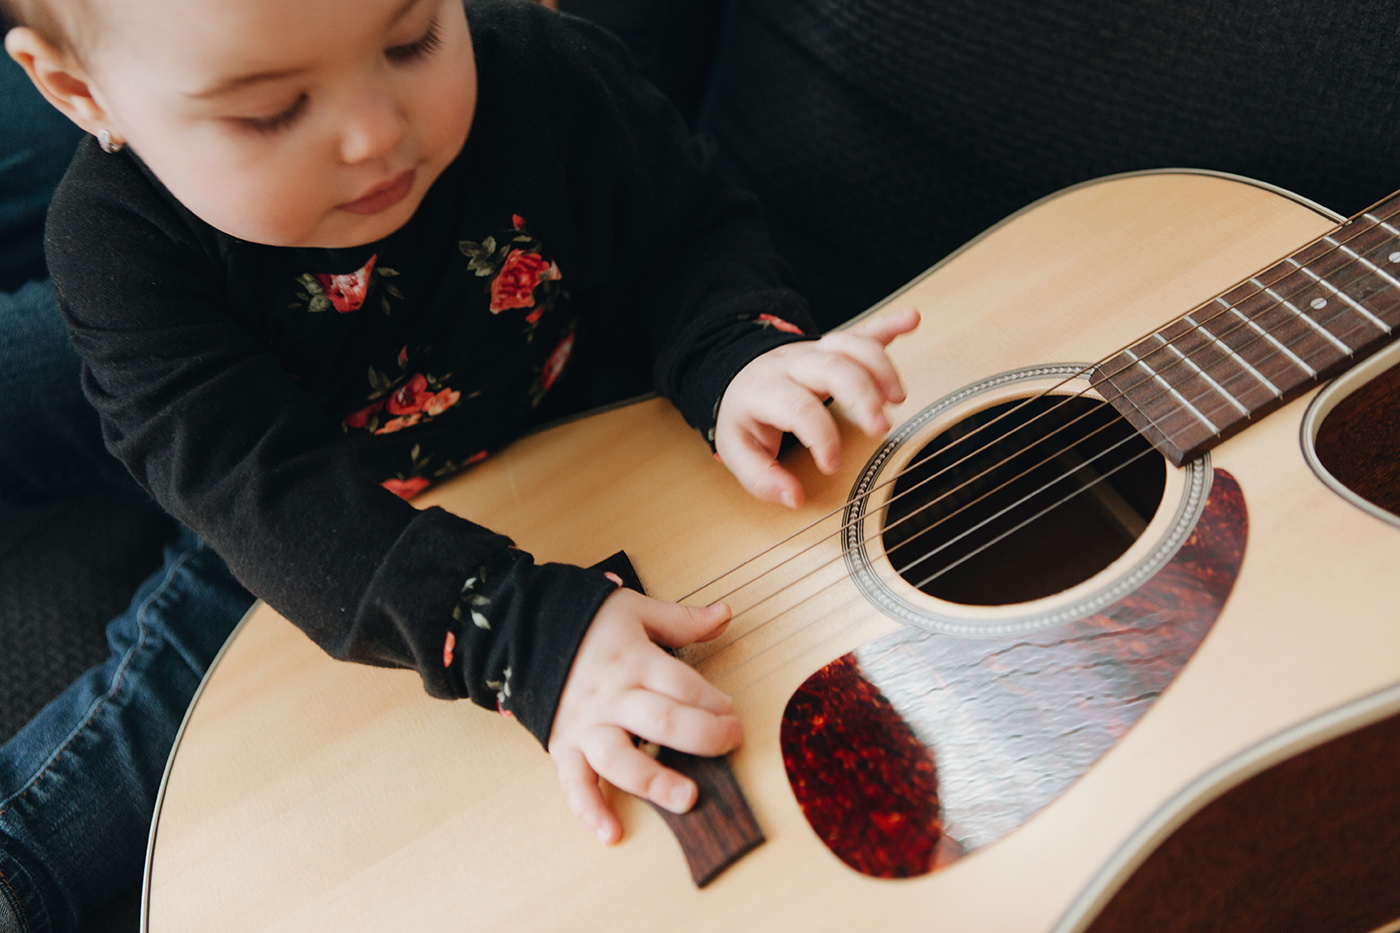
514 286
358 419
477 457
347 292
778 323
406 488
409 397
448 644
398 424
439 403
556 362
517 221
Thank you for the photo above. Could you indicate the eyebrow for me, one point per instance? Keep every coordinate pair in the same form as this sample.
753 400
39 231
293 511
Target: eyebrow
238 82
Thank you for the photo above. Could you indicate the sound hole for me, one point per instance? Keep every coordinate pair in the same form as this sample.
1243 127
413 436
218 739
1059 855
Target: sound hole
1046 494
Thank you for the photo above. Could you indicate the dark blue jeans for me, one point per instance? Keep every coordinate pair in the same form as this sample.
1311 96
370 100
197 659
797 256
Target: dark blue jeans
78 783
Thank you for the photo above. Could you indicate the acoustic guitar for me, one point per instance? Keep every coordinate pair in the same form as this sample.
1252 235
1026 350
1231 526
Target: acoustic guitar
1090 590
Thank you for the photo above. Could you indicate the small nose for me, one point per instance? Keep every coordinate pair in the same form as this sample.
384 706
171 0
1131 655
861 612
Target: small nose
374 125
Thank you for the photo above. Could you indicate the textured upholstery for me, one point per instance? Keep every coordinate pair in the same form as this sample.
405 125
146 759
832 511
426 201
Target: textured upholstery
882 135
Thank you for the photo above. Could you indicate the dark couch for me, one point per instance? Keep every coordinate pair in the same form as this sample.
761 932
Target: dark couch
879 137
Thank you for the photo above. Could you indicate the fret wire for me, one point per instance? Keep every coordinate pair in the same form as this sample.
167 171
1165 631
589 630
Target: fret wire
1191 321
1254 326
1221 390
1170 390
1395 283
1156 376
1243 363
1343 295
1170 436
1236 310
1384 224
1231 309
1318 329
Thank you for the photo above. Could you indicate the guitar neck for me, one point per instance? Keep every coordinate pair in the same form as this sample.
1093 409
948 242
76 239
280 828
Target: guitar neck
1225 364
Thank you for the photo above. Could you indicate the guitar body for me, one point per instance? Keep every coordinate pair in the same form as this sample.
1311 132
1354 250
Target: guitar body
305 794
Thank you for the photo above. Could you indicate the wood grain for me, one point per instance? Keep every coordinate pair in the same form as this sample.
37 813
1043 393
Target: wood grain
1287 850
1359 441
310 795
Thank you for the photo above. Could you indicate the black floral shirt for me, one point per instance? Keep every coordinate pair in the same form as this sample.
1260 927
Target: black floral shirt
284 402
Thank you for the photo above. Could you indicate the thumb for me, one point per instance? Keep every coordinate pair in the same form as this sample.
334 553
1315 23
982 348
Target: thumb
675 626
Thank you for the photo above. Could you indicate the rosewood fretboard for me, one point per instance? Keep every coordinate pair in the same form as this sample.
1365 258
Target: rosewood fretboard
1209 373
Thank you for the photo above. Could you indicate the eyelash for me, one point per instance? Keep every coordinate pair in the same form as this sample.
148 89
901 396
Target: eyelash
402 54
278 121
422 48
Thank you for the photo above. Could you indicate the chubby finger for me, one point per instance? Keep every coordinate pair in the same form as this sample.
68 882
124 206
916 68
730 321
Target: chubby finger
849 383
885 327
671 677
750 457
660 719
611 753
795 406
584 797
869 355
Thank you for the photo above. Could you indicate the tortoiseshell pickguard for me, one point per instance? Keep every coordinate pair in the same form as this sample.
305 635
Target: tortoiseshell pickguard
919 747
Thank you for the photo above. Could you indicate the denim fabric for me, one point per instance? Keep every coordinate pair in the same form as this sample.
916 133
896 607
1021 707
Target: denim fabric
52 444
36 144
78 783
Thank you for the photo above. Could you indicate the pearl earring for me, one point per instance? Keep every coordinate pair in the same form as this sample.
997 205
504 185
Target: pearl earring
105 140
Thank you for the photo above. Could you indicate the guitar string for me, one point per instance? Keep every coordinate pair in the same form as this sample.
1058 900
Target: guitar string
716 677
988 544
901 571
1102 408
1001 537
1230 306
1275 305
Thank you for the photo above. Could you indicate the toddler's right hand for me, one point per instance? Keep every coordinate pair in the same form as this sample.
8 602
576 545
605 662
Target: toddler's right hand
623 685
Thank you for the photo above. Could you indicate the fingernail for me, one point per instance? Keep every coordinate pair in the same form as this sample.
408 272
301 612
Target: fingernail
680 799
789 498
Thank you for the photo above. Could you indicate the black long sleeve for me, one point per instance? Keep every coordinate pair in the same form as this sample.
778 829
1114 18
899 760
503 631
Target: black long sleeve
276 400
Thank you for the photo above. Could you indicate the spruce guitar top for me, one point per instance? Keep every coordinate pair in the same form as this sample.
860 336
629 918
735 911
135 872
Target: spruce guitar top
1117 557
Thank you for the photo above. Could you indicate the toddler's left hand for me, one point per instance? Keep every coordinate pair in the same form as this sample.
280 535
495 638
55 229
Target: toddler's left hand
784 390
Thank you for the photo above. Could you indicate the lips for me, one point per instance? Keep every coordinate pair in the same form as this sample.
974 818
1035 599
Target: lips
384 196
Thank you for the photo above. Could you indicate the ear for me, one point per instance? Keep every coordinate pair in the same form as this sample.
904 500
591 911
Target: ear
59 76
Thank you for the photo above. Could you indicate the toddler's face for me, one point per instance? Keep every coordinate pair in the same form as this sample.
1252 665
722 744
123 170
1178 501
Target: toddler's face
290 122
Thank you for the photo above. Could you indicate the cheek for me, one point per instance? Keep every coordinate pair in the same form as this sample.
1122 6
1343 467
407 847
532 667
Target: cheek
443 107
277 200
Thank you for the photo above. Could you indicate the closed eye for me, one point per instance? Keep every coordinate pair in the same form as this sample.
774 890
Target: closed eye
420 48
276 121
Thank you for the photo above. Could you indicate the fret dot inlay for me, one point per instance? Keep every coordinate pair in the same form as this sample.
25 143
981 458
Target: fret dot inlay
1395 256
1319 303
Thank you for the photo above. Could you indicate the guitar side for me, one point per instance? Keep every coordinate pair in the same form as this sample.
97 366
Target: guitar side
306 794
